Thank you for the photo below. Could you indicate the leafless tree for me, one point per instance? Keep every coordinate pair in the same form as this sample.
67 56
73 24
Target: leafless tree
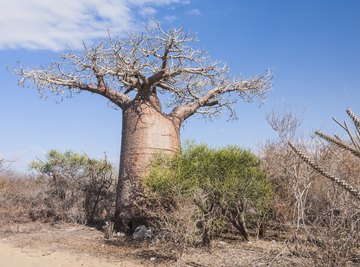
131 72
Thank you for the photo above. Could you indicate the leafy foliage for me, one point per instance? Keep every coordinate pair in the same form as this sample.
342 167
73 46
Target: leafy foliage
225 185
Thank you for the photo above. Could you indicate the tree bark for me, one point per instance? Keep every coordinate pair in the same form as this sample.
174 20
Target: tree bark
146 131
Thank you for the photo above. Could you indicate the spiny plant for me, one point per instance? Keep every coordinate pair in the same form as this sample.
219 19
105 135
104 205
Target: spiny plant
352 146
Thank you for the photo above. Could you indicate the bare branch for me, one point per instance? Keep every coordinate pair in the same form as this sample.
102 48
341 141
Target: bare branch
286 123
140 64
58 83
257 87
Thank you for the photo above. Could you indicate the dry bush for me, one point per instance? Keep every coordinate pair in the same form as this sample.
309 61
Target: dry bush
17 195
77 188
290 176
174 220
324 219
68 187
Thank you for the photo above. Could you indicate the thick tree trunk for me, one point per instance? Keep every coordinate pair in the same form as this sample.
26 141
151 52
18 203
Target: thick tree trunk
146 132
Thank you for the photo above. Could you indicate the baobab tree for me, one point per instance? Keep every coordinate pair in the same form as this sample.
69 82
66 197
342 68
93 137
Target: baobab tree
158 79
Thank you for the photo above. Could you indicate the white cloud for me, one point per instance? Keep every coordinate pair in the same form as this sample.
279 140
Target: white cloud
170 19
44 24
194 12
147 11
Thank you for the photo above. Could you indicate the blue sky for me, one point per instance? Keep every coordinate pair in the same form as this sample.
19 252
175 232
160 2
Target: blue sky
312 46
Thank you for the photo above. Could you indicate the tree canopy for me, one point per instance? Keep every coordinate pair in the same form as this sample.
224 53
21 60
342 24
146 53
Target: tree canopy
143 64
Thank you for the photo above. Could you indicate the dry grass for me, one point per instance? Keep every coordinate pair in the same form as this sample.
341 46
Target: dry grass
18 196
79 239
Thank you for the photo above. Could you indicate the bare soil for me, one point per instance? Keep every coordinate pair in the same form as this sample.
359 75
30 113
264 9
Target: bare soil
65 245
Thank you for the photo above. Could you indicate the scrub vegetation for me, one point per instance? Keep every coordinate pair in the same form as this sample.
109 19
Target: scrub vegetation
298 196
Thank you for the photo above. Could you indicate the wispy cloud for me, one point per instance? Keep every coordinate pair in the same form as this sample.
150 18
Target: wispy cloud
43 24
170 19
194 12
147 11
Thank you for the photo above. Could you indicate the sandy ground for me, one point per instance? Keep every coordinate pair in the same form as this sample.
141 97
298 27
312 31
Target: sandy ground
73 245
63 245
11 256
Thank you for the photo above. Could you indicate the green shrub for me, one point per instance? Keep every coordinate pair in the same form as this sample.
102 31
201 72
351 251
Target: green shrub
226 186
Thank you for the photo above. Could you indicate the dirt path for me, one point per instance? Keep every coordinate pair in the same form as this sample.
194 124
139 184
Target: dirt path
11 256
61 245
71 245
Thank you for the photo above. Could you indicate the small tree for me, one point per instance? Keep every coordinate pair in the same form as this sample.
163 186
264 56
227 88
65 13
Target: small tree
131 73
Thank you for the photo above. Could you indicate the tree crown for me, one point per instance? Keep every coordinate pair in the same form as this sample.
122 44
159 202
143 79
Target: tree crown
145 64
